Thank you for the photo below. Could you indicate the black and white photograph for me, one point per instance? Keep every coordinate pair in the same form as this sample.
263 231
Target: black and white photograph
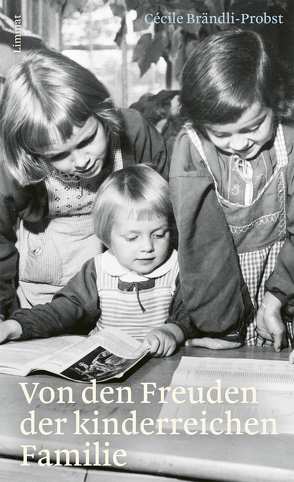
147 240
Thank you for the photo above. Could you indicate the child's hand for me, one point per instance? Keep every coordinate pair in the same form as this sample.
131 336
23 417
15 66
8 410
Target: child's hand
213 343
161 341
270 327
10 330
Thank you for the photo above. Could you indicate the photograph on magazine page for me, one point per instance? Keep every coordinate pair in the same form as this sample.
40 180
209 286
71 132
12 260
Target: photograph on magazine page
147 240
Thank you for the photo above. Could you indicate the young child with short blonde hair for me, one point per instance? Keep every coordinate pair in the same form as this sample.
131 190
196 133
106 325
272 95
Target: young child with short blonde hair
131 285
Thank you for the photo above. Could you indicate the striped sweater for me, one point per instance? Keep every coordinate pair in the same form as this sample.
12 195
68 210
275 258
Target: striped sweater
103 293
130 305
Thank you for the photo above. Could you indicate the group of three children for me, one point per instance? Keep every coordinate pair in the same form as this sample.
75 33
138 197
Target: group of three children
85 221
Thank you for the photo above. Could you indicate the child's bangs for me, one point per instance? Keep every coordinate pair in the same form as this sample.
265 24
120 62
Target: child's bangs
232 105
144 209
41 131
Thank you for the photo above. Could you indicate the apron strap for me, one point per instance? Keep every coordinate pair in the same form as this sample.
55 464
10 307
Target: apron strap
198 144
280 147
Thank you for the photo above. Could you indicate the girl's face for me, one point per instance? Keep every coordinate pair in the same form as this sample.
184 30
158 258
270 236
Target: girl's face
140 246
246 136
83 154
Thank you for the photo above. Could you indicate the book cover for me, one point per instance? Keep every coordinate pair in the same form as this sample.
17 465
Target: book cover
52 427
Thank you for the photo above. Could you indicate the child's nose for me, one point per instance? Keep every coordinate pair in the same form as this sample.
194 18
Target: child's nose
81 161
239 142
147 244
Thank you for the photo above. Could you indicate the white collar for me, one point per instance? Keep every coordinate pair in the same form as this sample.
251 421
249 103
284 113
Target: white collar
112 267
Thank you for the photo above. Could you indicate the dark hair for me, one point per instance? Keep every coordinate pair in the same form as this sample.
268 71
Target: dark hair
227 73
44 97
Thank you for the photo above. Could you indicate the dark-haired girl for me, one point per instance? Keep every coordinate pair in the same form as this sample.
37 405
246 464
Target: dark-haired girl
232 189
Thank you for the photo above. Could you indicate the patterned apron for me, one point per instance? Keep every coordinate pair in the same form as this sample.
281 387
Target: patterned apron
258 228
53 250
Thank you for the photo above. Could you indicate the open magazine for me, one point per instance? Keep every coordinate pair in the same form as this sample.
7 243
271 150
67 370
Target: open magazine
105 355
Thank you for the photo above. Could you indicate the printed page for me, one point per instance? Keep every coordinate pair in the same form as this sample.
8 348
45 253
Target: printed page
276 374
61 352
19 358
231 396
102 356
115 341
118 342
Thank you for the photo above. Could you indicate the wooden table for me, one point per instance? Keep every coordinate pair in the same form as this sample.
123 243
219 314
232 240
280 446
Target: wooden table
229 458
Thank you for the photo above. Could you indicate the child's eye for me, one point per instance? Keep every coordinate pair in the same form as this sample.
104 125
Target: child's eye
57 157
220 136
254 129
133 238
158 235
88 141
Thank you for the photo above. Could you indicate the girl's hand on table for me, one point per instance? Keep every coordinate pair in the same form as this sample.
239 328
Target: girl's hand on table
270 327
161 341
213 343
10 330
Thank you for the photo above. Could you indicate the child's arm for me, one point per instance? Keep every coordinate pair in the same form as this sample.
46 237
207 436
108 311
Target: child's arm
194 337
213 343
161 341
10 330
31 201
75 306
280 284
214 293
